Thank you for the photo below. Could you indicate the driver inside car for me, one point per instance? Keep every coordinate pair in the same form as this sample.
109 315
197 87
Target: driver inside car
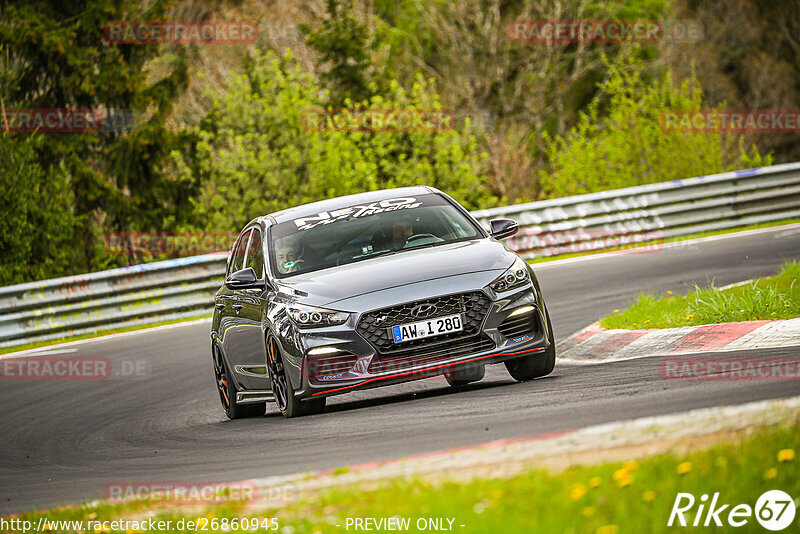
290 258
401 231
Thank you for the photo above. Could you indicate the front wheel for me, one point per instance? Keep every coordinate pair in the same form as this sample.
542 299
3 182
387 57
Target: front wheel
288 404
535 365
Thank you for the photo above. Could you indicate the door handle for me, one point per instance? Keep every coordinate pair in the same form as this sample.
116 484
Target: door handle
237 307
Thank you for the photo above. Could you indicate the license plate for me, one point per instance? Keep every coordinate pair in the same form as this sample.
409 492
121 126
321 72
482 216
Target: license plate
427 328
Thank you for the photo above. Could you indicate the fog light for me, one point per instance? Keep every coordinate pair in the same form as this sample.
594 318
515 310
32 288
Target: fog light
320 351
521 311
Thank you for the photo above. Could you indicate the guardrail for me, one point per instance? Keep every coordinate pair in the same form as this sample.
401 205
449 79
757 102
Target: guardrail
118 298
185 287
652 212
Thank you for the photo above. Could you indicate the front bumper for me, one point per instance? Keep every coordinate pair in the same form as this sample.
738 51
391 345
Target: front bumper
360 356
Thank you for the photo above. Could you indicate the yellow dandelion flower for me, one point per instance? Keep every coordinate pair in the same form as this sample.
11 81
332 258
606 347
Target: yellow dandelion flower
595 482
649 496
616 310
607 529
577 492
93 515
621 473
684 468
669 292
771 473
496 494
786 455
632 465
587 511
624 482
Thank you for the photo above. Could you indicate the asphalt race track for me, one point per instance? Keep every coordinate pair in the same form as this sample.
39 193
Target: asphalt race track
64 441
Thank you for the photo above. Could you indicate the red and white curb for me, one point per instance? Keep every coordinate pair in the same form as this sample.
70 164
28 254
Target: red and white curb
596 344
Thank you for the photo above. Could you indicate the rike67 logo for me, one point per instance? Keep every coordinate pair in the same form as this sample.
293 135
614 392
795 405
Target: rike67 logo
774 510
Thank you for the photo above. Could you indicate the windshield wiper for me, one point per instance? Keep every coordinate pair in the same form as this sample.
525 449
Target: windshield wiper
377 254
428 245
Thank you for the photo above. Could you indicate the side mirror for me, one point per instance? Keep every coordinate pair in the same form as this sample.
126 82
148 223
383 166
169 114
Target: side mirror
502 228
244 279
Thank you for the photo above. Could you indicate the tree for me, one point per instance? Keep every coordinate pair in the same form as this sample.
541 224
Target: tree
36 223
628 144
343 44
516 90
258 153
59 60
747 59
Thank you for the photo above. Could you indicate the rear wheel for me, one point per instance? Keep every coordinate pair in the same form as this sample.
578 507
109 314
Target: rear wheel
288 404
465 375
535 365
227 392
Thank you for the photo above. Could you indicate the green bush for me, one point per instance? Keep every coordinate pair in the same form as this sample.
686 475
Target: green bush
256 155
36 221
625 145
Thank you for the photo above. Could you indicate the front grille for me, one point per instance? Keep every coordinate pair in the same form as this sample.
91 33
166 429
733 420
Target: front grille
521 325
374 326
430 355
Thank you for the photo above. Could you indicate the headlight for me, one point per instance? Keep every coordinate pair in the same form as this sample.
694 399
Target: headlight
309 316
516 276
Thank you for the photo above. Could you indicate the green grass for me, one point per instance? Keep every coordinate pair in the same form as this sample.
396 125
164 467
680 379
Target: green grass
606 498
668 240
775 297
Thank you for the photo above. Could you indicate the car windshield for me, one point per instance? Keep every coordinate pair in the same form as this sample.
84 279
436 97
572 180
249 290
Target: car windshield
356 233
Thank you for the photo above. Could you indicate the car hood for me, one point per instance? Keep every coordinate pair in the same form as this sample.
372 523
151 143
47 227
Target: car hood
410 267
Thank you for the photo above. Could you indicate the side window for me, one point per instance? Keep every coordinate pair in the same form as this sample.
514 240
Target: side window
237 253
255 254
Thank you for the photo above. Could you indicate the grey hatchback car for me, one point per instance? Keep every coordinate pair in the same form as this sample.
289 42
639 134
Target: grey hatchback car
369 290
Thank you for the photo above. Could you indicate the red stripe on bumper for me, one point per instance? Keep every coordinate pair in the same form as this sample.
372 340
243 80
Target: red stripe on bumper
397 375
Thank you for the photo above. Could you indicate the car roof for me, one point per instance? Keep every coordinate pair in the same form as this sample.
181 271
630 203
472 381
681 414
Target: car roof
330 204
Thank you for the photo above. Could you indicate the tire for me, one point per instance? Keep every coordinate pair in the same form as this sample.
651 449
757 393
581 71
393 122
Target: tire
227 392
535 365
288 404
465 375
